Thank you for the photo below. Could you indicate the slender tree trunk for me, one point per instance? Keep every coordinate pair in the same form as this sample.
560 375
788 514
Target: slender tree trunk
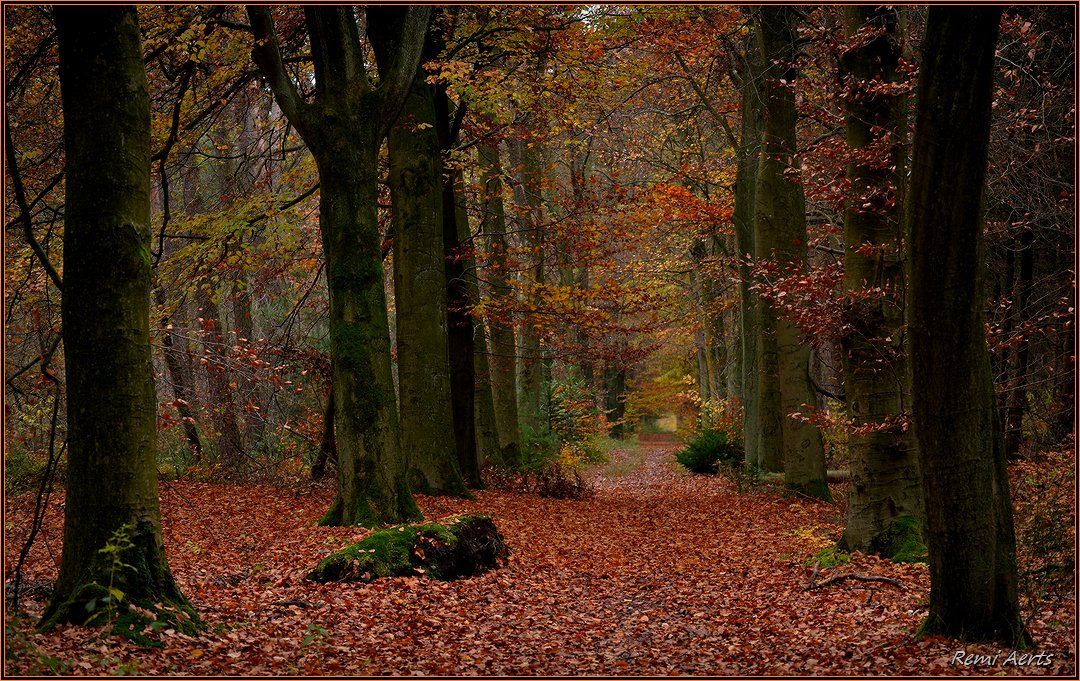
969 526
780 233
460 317
327 446
615 398
885 501
420 290
1016 396
487 430
743 219
179 379
485 434
531 375
503 362
228 439
112 496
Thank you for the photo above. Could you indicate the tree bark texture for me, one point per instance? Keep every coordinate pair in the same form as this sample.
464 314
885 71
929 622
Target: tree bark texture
969 526
780 233
884 464
459 314
112 408
743 218
532 382
416 189
179 379
503 362
343 127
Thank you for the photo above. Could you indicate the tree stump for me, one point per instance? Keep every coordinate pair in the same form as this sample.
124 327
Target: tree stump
459 547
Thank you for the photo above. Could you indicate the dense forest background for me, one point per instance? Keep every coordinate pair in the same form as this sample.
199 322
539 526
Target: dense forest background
566 230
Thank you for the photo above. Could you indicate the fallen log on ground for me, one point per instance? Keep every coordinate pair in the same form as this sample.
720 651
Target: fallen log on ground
458 547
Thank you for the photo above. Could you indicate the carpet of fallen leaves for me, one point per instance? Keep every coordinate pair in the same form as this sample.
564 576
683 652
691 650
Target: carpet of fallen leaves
658 573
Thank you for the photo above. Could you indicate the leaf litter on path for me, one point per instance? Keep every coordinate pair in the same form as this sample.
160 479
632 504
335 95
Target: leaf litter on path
660 572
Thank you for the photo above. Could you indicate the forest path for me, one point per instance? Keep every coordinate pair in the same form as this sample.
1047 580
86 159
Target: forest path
659 572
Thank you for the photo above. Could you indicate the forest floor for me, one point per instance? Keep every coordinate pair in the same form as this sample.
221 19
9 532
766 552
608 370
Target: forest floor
658 573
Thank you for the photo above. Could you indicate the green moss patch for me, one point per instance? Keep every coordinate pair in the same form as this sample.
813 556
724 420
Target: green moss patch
903 543
459 547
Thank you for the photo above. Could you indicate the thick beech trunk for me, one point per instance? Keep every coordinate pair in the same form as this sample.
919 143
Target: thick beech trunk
343 128
416 188
780 233
885 484
969 526
372 487
112 495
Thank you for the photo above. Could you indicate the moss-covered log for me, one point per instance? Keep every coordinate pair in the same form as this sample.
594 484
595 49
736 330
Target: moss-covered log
459 547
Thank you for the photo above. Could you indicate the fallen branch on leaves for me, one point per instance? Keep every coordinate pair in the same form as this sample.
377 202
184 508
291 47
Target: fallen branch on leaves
814 584
292 601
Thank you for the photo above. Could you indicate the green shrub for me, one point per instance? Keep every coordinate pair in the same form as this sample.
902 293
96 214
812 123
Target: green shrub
538 447
708 450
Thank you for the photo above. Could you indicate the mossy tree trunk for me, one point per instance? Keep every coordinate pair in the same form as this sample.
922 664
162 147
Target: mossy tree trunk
780 234
969 525
416 189
503 362
112 408
343 127
885 482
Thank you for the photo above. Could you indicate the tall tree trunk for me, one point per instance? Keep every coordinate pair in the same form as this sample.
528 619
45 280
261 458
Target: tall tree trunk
112 496
1016 395
416 189
615 398
532 381
503 358
743 218
180 381
228 439
780 233
885 501
460 317
343 128
327 445
487 430
969 526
